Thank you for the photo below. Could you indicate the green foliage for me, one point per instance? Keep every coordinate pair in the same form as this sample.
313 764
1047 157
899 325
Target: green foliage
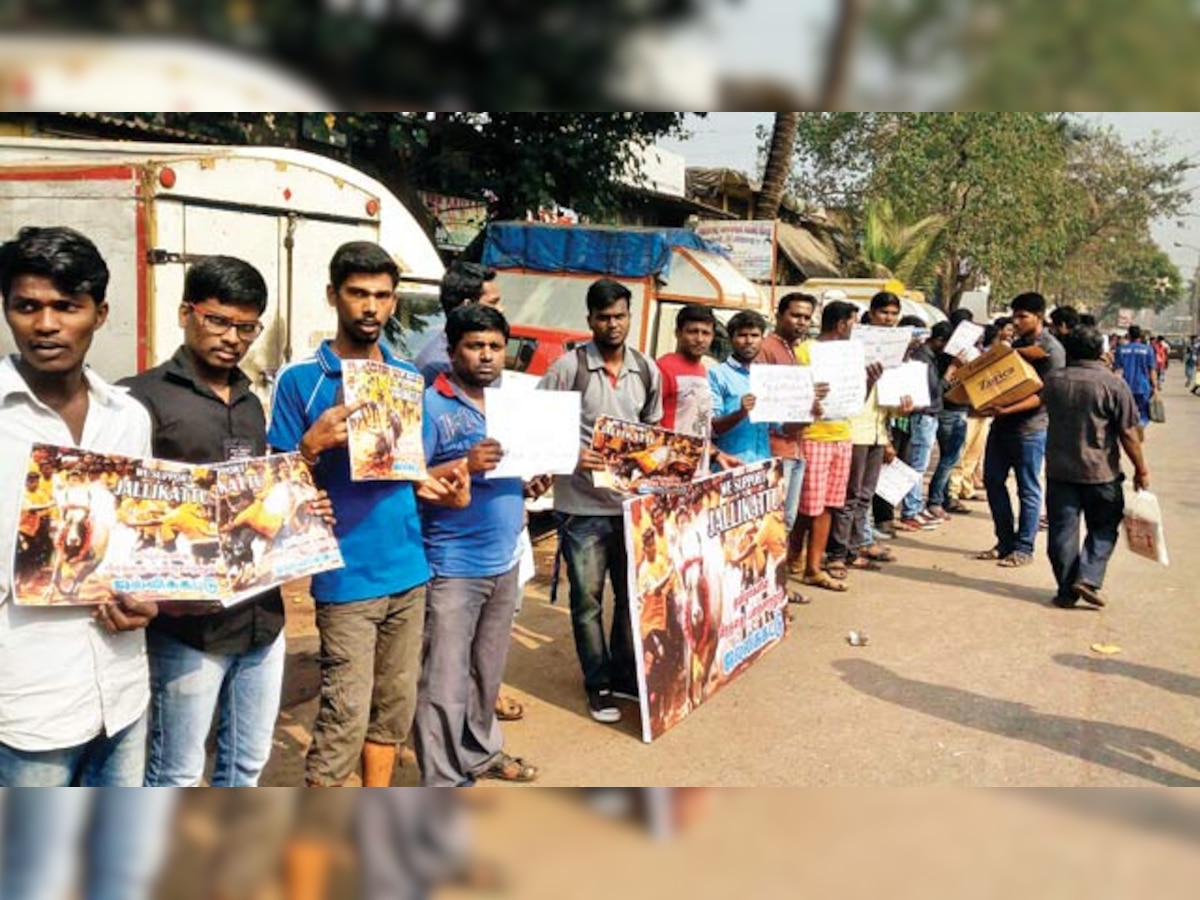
1146 279
1031 200
894 248
525 159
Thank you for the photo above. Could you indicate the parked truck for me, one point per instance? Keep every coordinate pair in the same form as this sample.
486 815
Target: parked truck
154 208
543 272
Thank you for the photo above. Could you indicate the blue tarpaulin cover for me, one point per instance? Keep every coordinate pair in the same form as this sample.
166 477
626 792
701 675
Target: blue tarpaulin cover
617 252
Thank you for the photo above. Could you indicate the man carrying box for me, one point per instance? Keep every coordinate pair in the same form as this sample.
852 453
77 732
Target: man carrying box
1017 442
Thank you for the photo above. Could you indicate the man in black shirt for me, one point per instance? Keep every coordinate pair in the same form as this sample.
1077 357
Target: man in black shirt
228 661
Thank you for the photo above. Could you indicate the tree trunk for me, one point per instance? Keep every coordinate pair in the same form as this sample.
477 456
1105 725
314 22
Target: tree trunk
779 165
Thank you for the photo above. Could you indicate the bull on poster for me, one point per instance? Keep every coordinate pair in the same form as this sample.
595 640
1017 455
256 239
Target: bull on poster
707 586
91 525
643 459
385 435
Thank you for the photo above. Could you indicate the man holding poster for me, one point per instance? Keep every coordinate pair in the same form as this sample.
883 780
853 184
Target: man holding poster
74 684
370 614
616 381
827 451
472 597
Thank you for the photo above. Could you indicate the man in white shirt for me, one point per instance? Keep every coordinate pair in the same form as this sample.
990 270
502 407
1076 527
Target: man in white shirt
74 683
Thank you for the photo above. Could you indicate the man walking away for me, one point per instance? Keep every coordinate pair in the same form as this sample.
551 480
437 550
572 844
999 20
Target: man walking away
614 380
1092 417
1137 364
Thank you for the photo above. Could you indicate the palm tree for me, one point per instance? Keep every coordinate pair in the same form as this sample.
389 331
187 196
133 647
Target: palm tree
892 248
779 165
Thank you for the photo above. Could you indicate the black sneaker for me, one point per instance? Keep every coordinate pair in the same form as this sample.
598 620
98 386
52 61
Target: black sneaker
602 708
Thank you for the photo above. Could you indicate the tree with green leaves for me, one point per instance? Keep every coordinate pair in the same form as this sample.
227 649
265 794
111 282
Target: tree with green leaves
522 159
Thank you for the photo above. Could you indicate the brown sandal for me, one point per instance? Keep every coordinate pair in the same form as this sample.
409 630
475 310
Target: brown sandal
989 555
864 563
823 581
836 569
510 768
509 710
878 554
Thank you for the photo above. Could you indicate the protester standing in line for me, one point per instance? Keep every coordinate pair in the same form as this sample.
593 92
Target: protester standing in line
206 661
1092 417
849 539
74 682
370 614
951 437
733 432
1137 364
615 380
462 283
1017 442
472 595
922 428
827 451
793 318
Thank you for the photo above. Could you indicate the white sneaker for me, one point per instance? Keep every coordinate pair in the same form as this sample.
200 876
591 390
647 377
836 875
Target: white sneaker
600 705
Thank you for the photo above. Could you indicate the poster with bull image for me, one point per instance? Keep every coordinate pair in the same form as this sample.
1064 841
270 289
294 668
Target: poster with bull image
644 459
385 435
707 582
91 525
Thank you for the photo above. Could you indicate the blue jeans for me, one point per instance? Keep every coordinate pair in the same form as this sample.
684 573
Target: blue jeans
1101 506
121 837
922 435
951 438
117 761
1010 451
187 686
593 549
793 477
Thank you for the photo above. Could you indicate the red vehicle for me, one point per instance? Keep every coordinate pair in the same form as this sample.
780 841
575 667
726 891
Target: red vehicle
532 349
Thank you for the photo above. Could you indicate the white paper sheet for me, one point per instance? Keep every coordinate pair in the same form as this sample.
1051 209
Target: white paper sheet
843 366
965 336
781 393
538 430
896 480
908 380
886 346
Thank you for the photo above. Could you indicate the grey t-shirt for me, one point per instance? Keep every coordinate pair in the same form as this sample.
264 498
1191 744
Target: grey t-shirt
626 399
1056 358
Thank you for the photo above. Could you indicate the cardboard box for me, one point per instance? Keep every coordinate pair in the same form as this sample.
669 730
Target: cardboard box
999 377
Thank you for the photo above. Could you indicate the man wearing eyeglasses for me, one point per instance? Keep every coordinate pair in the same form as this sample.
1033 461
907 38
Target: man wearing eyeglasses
228 662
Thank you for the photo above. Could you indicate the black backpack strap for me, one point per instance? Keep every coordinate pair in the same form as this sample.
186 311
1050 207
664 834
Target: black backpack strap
583 374
581 369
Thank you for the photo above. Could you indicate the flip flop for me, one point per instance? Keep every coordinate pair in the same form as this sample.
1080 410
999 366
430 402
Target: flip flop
509 710
989 555
823 581
865 563
510 768
1015 561
878 554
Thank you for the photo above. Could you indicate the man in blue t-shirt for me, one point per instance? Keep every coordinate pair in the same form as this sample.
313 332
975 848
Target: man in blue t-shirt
472 596
370 614
1135 360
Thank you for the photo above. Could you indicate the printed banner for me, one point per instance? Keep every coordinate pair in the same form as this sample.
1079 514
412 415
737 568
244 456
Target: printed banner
750 245
706 585
91 525
385 435
643 459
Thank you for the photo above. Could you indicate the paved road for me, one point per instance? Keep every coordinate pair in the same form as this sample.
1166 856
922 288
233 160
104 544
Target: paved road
970 677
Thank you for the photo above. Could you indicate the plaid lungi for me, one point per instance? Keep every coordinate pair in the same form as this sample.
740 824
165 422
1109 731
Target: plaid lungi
826 474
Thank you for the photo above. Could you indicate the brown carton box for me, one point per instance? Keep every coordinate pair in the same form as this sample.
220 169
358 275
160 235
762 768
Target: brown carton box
999 377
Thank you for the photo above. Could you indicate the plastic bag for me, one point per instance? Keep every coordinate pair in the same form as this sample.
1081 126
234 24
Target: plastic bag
1144 527
1158 410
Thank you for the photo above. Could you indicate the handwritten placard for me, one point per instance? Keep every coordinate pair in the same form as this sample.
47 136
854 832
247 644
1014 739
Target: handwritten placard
896 480
886 346
781 393
909 380
965 336
843 366
537 430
